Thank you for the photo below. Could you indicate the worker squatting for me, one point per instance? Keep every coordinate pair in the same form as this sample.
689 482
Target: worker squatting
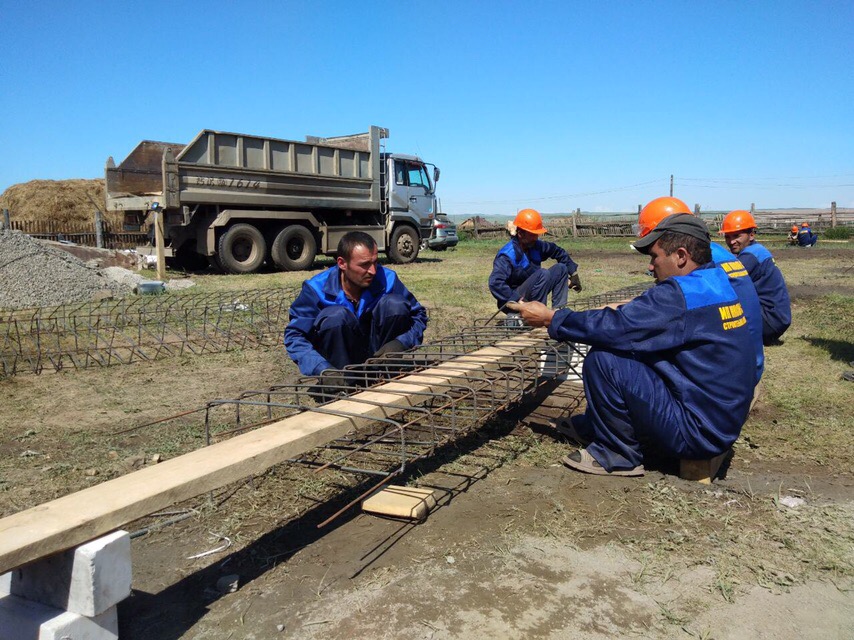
671 373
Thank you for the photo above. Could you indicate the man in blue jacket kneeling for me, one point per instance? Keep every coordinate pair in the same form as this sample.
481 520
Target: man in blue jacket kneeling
517 271
351 312
672 371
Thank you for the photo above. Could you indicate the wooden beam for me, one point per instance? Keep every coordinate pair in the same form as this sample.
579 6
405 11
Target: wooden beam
79 517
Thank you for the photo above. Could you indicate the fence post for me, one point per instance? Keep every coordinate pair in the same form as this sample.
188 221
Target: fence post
474 229
7 224
575 223
640 208
752 208
99 230
832 214
697 210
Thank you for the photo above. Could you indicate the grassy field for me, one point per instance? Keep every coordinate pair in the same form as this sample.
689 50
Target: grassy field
62 432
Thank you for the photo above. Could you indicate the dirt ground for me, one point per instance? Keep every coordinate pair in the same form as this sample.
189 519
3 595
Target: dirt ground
519 547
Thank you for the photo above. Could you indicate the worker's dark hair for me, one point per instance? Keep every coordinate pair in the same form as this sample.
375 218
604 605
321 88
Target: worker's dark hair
699 250
351 240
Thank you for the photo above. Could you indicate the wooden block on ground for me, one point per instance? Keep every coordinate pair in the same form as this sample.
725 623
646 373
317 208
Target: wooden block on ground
395 501
703 471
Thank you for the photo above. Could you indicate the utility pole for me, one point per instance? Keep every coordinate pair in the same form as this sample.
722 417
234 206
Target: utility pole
671 185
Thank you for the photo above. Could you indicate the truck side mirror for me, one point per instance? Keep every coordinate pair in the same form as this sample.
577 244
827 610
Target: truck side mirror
435 175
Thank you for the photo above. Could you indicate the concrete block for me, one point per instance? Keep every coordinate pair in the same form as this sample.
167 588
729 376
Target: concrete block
87 580
22 619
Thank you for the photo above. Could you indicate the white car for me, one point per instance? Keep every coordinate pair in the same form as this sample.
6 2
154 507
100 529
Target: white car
444 233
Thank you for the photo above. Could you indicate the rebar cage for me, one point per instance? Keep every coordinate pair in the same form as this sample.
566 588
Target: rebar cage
482 388
142 328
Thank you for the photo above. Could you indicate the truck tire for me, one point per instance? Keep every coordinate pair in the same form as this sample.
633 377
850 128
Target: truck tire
404 245
294 248
241 249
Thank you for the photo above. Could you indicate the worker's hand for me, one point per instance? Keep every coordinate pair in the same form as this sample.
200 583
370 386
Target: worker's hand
334 380
535 314
575 282
392 346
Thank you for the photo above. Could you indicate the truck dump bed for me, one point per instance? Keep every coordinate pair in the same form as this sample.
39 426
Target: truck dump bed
244 171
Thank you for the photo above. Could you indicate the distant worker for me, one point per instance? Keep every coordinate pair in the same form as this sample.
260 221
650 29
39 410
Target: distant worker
352 311
739 229
672 371
793 235
517 273
806 238
658 209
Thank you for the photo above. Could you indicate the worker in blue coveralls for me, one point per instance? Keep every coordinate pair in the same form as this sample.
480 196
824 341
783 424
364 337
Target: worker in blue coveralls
660 208
351 312
739 230
806 238
672 371
517 273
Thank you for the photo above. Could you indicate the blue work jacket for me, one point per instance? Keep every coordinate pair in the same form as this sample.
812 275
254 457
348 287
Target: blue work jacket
771 287
805 236
727 261
324 290
692 330
512 267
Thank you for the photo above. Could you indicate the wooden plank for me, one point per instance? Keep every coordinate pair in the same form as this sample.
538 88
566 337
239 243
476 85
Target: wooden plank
79 517
395 501
702 471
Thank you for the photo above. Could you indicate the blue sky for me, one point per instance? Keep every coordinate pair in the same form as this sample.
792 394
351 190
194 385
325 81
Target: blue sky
548 105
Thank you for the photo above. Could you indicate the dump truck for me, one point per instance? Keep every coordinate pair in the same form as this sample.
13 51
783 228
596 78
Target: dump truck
239 201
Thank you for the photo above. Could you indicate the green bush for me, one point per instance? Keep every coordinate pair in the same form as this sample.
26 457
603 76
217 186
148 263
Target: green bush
839 233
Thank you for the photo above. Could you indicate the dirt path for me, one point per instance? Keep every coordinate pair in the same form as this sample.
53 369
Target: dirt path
526 552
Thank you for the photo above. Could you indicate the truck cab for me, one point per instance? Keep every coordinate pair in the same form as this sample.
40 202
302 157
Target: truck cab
412 193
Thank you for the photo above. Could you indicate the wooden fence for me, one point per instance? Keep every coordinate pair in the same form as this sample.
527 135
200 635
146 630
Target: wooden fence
111 237
582 226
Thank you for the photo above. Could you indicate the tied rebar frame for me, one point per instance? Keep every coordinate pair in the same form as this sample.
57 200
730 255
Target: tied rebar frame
442 411
143 328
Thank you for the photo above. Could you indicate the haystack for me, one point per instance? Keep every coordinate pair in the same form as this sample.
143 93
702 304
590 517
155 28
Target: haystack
66 202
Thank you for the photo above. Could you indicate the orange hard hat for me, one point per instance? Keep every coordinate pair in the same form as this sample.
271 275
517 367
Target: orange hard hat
794 228
530 220
805 224
656 211
738 220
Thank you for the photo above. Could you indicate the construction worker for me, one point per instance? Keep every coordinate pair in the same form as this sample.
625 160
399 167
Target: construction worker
673 371
350 312
517 273
806 238
661 208
658 209
739 230
793 235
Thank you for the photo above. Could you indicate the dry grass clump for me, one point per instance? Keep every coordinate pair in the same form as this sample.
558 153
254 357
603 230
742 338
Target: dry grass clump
65 202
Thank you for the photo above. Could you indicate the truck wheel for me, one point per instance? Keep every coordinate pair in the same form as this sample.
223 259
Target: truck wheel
404 245
241 249
294 248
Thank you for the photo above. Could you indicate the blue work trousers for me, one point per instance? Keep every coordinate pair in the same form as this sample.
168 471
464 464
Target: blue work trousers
343 339
538 286
629 409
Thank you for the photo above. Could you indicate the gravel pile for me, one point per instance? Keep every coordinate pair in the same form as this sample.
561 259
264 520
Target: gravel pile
33 274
